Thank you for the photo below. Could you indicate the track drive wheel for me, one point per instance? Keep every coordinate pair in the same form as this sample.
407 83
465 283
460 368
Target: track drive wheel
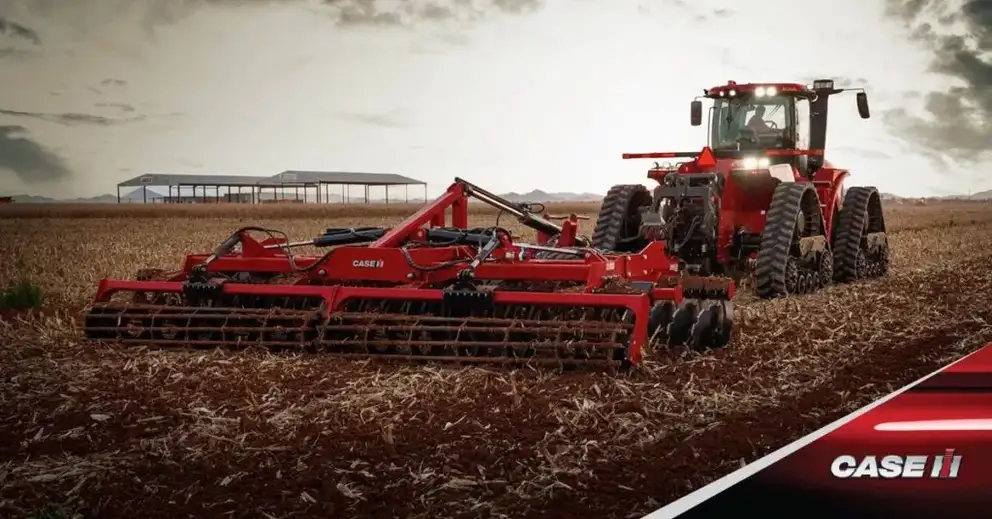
780 269
618 225
860 243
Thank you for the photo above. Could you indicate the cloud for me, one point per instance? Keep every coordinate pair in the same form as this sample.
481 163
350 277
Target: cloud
839 81
18 31
29 160
153 13
69 118
865 152
958 120
124 107
388 120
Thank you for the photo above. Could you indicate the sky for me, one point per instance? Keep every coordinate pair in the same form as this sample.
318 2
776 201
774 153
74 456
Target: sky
513 95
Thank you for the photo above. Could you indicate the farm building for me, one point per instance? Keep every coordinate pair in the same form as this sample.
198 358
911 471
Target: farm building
287 187
184 195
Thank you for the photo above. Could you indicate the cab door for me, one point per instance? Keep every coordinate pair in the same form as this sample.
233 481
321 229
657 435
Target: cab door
802 111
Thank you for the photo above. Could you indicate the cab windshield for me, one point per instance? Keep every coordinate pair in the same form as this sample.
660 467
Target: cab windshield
751 122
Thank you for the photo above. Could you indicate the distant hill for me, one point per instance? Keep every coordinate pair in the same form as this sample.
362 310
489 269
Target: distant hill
32 199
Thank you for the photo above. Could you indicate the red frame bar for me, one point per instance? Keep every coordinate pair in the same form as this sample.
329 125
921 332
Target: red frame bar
433 213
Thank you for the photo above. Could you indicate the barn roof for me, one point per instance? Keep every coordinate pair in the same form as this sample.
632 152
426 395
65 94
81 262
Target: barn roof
342 178
158 179
296 177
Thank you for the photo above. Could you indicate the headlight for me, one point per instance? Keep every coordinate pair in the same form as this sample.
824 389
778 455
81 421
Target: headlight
755 163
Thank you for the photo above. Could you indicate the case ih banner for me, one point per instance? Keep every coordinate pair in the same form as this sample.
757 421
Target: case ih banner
924 451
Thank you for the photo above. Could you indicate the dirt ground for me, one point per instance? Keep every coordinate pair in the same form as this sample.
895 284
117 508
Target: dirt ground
102 431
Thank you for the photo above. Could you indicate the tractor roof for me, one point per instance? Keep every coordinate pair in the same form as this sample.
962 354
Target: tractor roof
733 88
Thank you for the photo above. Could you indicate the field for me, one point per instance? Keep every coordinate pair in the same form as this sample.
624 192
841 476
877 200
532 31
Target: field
108 432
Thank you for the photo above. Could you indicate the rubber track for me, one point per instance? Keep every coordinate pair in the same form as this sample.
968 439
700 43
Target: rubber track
776 240
850 229
610 222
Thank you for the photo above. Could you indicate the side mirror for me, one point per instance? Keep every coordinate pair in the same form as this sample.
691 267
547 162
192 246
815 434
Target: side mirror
814 163
863 110
696 113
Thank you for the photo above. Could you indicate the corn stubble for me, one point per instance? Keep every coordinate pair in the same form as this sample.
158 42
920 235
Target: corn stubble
110 432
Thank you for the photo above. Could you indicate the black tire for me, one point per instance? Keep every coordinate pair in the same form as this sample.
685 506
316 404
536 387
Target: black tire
775 272
860 215
619 220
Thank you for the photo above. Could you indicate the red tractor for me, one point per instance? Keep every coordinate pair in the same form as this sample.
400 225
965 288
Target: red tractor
759 199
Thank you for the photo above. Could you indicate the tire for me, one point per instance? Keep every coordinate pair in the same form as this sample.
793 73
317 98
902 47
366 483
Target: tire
619 220
775 271
860 215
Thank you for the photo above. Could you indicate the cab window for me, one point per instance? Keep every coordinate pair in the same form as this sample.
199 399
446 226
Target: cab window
731 118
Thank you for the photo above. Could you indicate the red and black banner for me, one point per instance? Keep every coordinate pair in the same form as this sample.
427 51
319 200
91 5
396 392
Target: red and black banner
922 452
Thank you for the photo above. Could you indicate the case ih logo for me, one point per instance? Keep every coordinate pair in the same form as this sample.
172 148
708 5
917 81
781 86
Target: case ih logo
367 264
944 466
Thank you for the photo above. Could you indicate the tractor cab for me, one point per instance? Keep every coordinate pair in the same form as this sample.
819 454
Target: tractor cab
753 123
781 123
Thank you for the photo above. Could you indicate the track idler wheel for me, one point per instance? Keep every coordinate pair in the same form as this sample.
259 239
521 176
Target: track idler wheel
713 327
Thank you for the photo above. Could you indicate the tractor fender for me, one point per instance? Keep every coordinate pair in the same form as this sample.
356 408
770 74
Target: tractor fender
783 172
837 185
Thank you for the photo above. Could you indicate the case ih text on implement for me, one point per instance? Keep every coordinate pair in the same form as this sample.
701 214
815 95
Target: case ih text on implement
656 269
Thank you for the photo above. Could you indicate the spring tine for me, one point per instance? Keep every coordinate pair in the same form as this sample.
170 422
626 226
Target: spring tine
391 330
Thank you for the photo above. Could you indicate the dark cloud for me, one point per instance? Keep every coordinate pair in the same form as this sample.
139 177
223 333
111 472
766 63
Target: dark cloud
30 161
124 107
959 120
379 12
17 41
15 30
154 13
69 118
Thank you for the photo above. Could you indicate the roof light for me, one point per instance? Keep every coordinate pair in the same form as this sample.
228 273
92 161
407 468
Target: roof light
706 159
733 93
771 91
759 92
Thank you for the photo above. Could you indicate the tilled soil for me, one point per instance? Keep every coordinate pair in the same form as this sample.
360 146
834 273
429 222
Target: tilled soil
110 432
